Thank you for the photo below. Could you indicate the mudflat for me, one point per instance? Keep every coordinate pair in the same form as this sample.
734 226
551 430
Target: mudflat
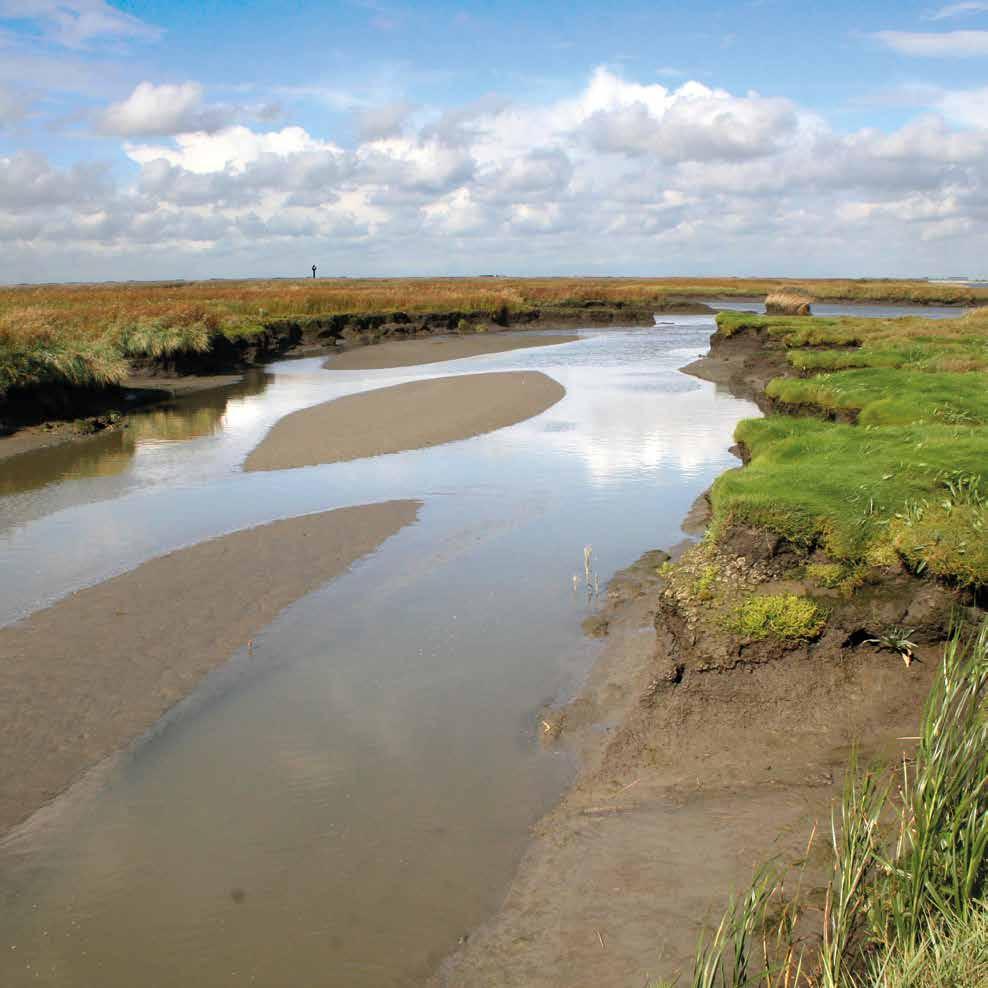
403 417
82 678
410 353
690 785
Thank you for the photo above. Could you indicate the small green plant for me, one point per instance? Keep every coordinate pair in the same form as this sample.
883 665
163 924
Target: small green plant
703 586
784 616
897 640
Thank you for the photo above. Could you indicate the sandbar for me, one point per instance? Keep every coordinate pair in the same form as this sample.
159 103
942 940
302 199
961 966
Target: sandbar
402 417
82 678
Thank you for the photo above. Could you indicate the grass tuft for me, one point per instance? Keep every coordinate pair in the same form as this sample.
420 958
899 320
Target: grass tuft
784 616
787 303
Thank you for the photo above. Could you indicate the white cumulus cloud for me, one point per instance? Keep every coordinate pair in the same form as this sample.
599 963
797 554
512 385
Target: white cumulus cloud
233 148
152 110
616 176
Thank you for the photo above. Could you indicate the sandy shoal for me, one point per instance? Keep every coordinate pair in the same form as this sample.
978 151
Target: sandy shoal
82 678
409 353
403 417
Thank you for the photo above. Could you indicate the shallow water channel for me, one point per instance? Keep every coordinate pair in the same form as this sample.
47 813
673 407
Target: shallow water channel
340 805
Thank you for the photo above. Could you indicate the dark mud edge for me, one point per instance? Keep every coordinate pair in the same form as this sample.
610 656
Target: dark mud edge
294 337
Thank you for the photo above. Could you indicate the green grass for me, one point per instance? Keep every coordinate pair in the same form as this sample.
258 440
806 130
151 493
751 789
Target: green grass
885 489
905 898
784 616
884 396
841 487
960 354
912 339
51 359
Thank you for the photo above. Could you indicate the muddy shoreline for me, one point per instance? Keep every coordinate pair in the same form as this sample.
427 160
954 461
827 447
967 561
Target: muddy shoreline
702 757
109 411
57 413
73 691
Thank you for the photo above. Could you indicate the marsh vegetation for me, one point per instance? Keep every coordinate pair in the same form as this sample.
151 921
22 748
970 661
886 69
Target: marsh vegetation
89 335
901 479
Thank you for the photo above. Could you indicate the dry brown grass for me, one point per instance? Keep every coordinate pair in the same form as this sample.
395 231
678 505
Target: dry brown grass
91 308
787 304
86 333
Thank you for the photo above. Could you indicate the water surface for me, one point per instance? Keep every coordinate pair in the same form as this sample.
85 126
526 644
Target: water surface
342 804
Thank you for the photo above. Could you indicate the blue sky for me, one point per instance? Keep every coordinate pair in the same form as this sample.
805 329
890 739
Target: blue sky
155 139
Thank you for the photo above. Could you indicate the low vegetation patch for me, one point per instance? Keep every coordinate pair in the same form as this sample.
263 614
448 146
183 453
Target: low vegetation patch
840 488
946 536
713 590
35 353
890 397
785 616
870 335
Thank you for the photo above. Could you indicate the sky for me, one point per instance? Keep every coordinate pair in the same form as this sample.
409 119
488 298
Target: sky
224 138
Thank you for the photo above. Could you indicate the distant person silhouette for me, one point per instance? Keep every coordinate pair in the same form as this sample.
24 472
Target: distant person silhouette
313 271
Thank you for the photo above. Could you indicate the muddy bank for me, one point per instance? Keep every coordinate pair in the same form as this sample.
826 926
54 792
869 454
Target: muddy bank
403 417
410 353
84 677
56 415
744 364
704 754
155 379
108 410
692 777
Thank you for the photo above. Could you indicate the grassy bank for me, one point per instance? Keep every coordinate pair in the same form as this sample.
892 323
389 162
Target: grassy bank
907 483
87 335
903 903
871 465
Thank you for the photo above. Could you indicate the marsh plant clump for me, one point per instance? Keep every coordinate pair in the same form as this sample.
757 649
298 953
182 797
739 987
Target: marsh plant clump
787 303
788 617
906 877
712 588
